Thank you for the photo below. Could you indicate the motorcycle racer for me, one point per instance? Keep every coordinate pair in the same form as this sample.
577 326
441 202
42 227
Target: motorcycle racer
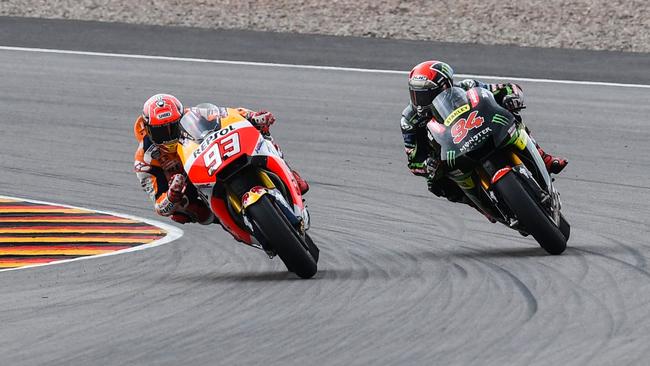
426 81
158 166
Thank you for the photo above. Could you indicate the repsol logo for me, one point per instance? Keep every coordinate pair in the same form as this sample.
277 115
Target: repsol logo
210 138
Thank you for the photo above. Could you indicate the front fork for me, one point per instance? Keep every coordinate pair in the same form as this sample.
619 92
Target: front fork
543 189
297 217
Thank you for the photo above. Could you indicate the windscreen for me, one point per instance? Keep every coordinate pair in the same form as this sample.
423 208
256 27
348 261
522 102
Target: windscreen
196 126
449 101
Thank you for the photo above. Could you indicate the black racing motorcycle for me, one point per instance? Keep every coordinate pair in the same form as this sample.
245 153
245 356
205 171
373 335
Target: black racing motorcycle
490 156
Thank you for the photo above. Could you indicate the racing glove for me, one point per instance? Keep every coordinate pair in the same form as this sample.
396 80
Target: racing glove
168 202
513 102
418 168
176 190
262 120
468 84
430 167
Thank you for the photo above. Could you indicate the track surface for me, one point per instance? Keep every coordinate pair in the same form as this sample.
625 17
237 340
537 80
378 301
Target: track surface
238 45
404 278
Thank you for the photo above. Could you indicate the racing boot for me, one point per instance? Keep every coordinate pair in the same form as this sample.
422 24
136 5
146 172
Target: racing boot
553 164
201 213
302 184
195 211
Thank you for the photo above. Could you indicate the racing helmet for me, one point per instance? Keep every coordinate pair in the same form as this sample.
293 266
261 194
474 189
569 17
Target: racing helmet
162 114
426 81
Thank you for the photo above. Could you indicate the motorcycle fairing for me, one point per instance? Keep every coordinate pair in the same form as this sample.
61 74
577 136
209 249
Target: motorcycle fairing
203 162
477 138
476 141
238 143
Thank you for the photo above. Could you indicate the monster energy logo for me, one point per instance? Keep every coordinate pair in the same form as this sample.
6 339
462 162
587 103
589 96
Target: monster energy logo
451 158
499 119
446 69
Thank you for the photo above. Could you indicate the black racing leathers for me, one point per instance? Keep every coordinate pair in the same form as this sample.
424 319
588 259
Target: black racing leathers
418 148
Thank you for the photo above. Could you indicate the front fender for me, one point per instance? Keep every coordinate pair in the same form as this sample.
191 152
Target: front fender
254 194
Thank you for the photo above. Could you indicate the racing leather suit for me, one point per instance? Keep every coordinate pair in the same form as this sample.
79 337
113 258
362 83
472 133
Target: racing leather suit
155 167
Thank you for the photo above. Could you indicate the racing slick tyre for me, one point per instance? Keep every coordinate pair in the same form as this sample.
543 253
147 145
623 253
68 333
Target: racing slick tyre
530 214
313 249
283 238
565 228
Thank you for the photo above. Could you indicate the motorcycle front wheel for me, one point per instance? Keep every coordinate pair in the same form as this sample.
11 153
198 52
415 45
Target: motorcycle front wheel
283 238
530 215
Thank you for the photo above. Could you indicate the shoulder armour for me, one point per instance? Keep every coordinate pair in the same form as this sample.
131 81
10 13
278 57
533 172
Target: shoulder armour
409 118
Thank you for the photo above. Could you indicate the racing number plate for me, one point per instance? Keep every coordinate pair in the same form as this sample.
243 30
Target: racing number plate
220 150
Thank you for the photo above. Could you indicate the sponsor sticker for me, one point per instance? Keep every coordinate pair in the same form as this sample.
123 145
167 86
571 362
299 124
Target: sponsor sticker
165 208
473 97
453 115
451 158
476 139
210 138
467 183
499 119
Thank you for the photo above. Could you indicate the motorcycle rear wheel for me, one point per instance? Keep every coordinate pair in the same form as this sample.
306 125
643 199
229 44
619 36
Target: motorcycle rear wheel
530 214
283 238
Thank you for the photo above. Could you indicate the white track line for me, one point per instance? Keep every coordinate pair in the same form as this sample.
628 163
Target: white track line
312 67
173 233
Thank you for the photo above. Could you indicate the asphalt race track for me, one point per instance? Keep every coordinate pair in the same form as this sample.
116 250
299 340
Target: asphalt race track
404 278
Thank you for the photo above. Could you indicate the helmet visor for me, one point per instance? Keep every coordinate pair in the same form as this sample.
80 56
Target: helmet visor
166 133
423 97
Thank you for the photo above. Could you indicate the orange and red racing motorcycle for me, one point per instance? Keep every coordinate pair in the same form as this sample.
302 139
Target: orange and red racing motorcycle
242 177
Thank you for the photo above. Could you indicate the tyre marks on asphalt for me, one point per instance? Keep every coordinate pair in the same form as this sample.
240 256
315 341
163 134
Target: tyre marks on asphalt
34 233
